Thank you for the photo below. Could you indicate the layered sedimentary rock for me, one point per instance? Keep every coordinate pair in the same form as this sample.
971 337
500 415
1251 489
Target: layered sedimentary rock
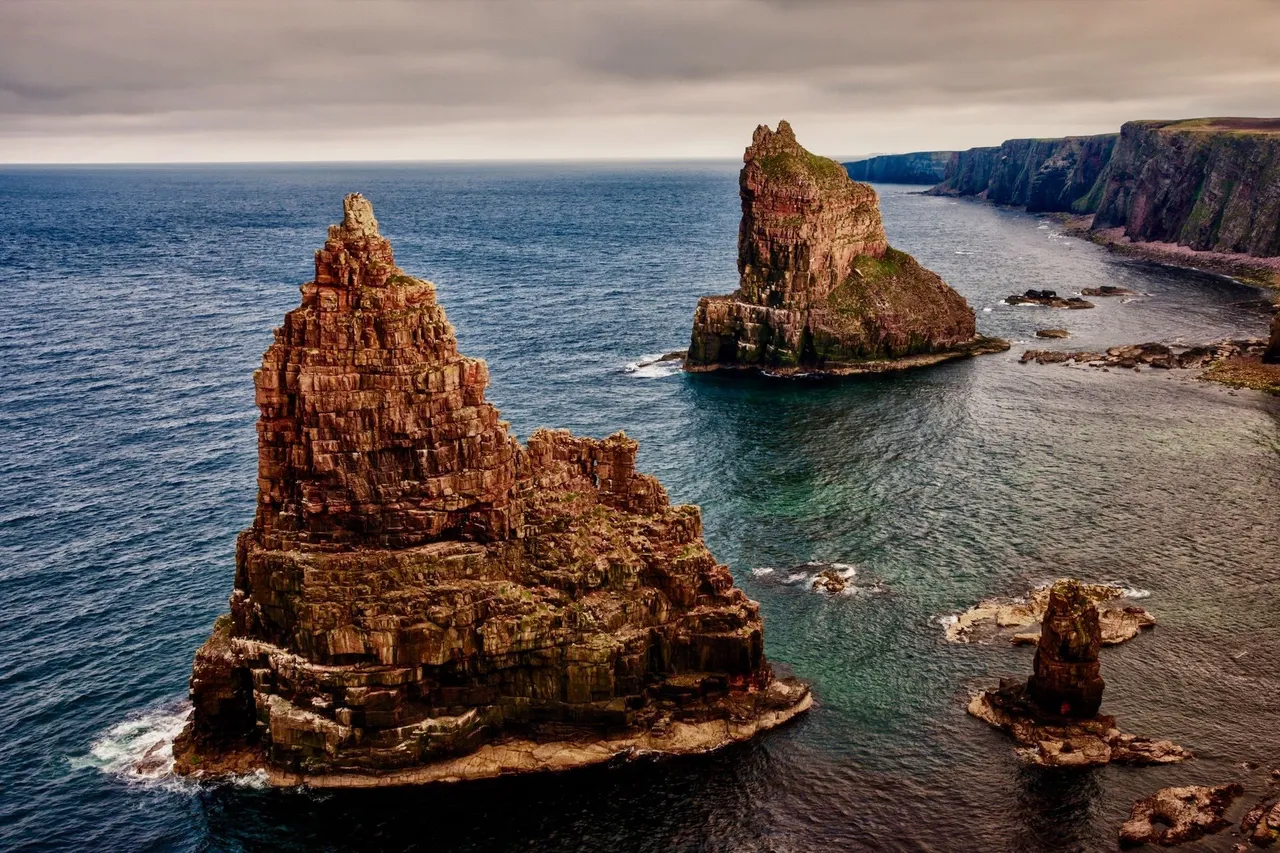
1054 714
1207 184
1272 355
421 597
820 288
920 167
1040 174
1068 677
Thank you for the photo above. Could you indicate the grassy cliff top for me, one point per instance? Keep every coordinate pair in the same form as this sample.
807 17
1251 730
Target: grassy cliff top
1221 124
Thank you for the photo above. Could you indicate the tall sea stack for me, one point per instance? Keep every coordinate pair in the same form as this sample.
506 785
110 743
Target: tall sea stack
820 289
423 598
1067 680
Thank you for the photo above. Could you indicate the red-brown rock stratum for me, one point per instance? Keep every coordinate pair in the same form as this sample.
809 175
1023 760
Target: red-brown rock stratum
422 598
820 288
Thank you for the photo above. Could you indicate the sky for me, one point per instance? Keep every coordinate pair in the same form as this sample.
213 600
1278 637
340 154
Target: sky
280 80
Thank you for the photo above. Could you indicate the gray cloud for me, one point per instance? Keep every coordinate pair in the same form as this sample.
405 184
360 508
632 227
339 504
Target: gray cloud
200 79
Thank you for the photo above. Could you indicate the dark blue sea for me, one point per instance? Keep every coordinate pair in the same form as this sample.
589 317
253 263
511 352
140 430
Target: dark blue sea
137 302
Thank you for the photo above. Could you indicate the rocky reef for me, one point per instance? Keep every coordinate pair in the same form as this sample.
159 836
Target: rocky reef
1047 298
1017 620
920 167
422 598
820 289
1054 715
1238 364
1177 815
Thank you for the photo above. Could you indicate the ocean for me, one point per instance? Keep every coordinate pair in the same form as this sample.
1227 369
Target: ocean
138 301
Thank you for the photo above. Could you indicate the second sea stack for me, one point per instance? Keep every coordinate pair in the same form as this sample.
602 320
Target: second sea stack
820 288
423 598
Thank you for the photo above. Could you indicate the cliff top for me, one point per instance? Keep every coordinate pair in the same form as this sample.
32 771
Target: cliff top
1219 124
780 157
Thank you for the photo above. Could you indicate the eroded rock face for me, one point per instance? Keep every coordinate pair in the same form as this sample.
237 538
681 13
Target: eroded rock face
1068 679
1176 815
1040 174
421 597
1272 354
1208 184
820 288
1261 825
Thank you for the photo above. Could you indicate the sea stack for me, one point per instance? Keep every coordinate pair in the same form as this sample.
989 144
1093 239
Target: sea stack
820 288
1054 715
422 598
1067 679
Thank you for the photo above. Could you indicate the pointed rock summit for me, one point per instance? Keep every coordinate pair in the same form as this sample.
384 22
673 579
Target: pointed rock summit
423 598
820 288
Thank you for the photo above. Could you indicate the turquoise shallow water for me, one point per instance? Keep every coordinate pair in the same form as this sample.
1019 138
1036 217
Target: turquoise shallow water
139 301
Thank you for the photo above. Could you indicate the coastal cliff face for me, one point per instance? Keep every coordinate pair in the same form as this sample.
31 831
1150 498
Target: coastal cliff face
819 285
920 167
1040 174
1207 184
421 597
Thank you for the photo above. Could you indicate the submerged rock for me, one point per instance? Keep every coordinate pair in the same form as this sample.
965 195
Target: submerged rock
1052 333
423 598
1054 714
1176 815
820 289
1017 620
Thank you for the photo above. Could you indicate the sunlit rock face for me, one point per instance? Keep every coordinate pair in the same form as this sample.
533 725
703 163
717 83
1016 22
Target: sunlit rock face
820 288
422 597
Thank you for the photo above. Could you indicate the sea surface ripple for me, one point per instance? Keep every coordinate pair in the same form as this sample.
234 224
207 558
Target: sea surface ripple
138 302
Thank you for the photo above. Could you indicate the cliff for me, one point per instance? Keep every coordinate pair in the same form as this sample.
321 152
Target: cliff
1206 184
423 598
819 287
920 167
1040 174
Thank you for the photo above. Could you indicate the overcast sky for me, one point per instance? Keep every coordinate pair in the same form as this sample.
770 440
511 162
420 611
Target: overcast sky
171 80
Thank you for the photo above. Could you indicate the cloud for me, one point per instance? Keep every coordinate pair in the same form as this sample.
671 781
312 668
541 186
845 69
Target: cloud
217 79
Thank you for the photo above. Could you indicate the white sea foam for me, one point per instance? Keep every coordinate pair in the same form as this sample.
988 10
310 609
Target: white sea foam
762 571
947 619
962 252
797 577
120 750
649 367
1134 592
986 310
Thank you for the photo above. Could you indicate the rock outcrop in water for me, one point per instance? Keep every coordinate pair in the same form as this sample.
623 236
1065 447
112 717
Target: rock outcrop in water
1177 815
820 289
1054 715
422 598
920 167
1017 620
